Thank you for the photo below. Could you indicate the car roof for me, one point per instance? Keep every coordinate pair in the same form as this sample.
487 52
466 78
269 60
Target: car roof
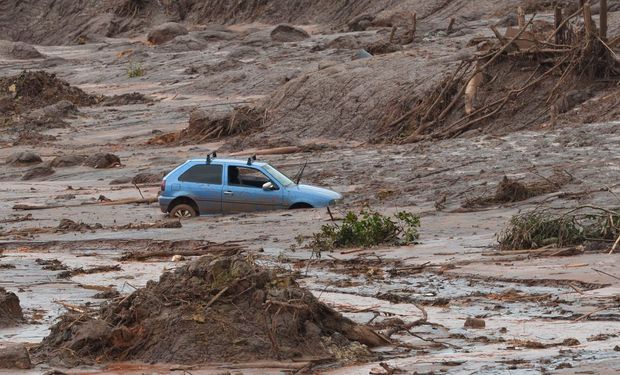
237 162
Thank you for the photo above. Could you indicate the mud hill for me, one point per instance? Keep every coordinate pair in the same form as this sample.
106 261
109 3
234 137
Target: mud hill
54 22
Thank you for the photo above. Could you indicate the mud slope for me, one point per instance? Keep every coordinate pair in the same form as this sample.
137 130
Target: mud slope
53 22
348 100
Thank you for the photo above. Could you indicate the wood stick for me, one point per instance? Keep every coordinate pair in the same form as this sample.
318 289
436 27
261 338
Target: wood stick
451 26
613 248
563 23
216 297
603 20
270 151
71 307
584 316
605 273
267 364
559 37
587 18
520 17
414 25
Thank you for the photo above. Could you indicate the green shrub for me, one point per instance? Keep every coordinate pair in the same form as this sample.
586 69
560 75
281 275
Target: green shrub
135 70
367 229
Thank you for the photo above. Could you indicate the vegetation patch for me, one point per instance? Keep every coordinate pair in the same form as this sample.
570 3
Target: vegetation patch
366 229
135 70
539 228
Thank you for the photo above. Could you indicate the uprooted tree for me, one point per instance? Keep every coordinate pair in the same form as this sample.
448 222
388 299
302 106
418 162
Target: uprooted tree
520 80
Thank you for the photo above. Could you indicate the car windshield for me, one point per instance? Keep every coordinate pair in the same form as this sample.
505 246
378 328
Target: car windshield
279 176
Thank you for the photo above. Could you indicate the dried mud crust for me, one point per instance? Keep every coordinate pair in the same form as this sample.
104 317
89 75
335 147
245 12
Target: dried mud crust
210 310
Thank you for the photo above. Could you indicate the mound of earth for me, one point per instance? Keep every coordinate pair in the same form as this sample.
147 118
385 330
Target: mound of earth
37 172
102 160
125 99
10 310
166 32
23 158
288 33
15 356
204 125
19 51
213 309
37 89
352 99
67 160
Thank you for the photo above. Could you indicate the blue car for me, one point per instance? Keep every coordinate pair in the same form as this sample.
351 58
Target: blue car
213 186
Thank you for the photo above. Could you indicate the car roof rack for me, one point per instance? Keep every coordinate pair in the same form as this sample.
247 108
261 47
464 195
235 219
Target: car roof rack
250 160
209 157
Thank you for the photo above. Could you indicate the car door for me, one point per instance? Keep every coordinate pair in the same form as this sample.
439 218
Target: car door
203 183
243 191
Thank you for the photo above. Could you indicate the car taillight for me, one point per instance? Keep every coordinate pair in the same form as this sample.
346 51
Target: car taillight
163 185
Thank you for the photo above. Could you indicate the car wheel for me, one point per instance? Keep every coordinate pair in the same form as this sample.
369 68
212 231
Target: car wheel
183 211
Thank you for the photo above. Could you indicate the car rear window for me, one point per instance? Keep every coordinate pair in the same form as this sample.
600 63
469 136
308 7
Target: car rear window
204 174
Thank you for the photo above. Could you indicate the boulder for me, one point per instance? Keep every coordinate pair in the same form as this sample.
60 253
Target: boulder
288 33
474 323
166 32
15 356
147 178
10 310
36 172
102 160
67 161
23 157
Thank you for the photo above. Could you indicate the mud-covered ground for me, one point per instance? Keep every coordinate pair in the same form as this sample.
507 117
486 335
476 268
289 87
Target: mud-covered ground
542 314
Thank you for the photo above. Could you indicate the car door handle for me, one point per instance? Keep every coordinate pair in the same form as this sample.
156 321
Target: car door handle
228 193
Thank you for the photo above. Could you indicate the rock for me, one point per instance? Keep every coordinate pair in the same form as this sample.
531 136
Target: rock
361 54
10 310
571 342
617 348
121 180
184 43
288 33
67 161
36 172
474 323
24 157
166 32
101 160
15 356
147 178
19 51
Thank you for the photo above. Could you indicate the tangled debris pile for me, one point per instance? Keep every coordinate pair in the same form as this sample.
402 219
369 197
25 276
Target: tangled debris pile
523 80
510 190
546 227
37 89
212 309
207 125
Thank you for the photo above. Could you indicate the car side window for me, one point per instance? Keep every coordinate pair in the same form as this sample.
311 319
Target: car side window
204 174
246 177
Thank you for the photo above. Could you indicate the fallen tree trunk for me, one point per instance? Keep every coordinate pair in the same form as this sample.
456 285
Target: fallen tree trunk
28 207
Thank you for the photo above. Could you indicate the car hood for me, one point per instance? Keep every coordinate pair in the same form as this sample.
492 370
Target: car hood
315 190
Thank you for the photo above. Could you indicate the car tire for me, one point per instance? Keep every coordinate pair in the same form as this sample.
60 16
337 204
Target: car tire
183 211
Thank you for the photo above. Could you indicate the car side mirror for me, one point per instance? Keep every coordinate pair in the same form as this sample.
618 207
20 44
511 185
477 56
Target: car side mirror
268 186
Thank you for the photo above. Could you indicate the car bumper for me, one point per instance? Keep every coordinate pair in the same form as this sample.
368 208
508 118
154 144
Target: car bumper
164 203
